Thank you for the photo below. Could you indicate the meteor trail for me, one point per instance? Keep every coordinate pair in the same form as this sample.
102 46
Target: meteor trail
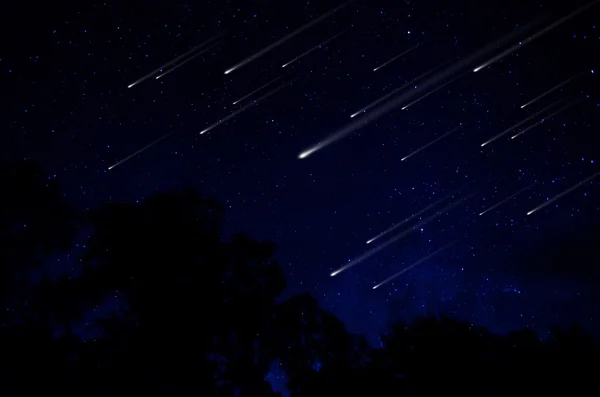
569 190
430 92
432 142
204 51
314 48
139 151
389 94
256 90
253 103
534 36
402 98
553 89
387 280
544 119
506 131
285 38
396 57
147 76
375 250
396 226
506 199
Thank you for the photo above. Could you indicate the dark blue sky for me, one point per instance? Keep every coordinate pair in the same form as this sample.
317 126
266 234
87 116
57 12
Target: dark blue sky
65 71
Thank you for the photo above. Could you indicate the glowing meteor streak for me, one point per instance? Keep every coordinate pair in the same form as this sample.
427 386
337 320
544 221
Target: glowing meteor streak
147 76
314 48
396 226
552 89
256 90
544 119
251 104
375 250
402 98
389 94
506 199
506 131
534 36
396 57
430 92
387 280
431 143
569 190
186 61
285 38
139 151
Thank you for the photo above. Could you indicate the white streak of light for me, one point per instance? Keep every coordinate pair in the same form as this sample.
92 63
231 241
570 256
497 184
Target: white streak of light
430 92
533 37
569 190
387 280
431 143
396 226
520 123
253 103
544 119
389 94
387 107
552 89
256 90
186 61
285 38
396 57
139 151
397 237
506 199
305 53
147 76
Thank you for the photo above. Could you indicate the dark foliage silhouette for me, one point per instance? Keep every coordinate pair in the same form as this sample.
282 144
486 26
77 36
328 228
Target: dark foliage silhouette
192 315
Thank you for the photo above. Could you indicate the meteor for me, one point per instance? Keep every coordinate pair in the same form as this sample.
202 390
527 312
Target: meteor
396 226
251 104
314 48
375 250
139 151
431 92
256 90
569 190
544 119
432 142
147 76
387 107
506 131
396 57
506 199
285 38
553 89
386 96
534 36
387 280
186 61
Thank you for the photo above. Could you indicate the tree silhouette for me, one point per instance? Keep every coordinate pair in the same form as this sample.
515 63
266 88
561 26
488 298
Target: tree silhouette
35 223
192 315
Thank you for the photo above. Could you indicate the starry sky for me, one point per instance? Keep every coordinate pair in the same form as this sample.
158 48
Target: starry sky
65 71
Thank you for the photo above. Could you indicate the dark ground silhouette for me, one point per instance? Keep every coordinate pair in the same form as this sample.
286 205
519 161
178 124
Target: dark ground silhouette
197 316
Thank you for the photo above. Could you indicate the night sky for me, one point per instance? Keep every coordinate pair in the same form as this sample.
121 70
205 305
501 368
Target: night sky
65 71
